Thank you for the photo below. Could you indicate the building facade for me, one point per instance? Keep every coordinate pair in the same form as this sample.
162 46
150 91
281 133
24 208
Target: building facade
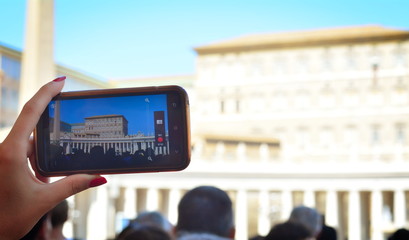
337 102
315 118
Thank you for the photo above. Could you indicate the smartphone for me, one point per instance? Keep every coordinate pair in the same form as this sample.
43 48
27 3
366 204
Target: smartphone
111 131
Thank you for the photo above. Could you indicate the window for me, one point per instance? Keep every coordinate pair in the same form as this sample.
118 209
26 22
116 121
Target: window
302 100
350 136
400 135
351 98
375 135
350 63
11 67
326 137
9 98
375 97
400 56
302 137
326 61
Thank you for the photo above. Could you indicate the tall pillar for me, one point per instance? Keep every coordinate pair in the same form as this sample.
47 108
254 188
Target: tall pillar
286 203
152 199
241 215
376 215
399 208
98 211
309 198
331 209
263 213
56 122
38 65
130 203
174 198
354 215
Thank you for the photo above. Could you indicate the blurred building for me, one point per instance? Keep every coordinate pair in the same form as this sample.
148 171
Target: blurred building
318 118
336 100
10 78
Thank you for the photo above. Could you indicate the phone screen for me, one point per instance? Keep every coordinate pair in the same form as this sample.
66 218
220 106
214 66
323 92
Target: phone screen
113 134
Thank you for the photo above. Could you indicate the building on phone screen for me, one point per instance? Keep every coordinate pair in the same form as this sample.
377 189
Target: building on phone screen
109 132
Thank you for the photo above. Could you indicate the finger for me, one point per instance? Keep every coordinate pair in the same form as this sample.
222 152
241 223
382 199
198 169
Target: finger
31 153
31 147
33 109
71 185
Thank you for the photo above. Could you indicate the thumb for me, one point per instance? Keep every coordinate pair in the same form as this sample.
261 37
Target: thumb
73 184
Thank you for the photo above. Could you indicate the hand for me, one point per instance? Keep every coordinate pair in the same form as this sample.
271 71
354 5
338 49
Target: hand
25 198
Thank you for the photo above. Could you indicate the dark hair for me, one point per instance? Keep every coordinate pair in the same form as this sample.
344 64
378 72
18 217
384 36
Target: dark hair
59 214
400 234
36 229
152 218
205 209
288 231
143 232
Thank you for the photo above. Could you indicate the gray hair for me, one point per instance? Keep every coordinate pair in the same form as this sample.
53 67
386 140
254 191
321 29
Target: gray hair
308 217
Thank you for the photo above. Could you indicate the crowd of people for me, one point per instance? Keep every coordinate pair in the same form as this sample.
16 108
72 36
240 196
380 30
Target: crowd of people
97 158
204 213
33 209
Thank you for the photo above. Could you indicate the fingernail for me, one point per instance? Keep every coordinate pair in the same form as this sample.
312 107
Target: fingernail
59 79
97 182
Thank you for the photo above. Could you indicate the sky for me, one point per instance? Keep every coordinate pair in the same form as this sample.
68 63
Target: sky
122 39
138 110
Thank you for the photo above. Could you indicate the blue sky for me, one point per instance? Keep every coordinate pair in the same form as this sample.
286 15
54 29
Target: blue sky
144 38
138 110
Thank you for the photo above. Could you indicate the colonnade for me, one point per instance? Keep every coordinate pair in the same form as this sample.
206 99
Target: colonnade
120 145
356 214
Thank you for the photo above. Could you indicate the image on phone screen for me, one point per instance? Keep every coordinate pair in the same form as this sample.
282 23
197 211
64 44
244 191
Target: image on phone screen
112 133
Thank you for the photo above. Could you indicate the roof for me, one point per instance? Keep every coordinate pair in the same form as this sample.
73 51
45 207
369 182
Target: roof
331 36
242 138
106 116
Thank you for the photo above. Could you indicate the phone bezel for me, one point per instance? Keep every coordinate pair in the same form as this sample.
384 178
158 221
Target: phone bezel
182 137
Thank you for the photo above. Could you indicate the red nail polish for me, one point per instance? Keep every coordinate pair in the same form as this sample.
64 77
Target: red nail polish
59 79
97 182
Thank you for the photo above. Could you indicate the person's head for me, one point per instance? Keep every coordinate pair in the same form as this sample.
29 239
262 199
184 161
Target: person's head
59 215
206 209
40 231
308 217
288 231
153 218
145 232
400 234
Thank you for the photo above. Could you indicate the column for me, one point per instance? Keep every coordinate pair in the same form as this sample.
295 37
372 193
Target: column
264 152
98 212
354 215
38 65
152 199
399 210
240 151
376 215
130 203
174 198
286 203
309 198
241 215
264 213
331 209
